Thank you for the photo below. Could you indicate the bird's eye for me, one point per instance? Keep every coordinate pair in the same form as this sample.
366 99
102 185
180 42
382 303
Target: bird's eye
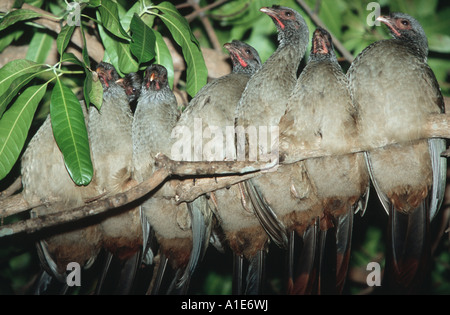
404 22
247 51
288 13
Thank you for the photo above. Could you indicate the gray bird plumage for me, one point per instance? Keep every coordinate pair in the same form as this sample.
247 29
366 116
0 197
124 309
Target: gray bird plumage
395 90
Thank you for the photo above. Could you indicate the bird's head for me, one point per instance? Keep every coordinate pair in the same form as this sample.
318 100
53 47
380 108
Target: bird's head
131 83
245 58
288 22
322 44
106 73
405 28
155 77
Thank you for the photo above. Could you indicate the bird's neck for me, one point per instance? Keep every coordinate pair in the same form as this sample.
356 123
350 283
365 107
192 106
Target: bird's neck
154 119
291 47
418 46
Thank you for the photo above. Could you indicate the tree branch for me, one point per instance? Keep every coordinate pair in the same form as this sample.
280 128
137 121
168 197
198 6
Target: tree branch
166 168
198 11
437 126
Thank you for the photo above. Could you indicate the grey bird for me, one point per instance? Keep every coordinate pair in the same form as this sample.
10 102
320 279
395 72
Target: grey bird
262 104
111 144
213 109
155 116
320 110
394 90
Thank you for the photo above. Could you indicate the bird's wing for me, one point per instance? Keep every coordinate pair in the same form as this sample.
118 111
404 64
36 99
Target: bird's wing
439 167
266 216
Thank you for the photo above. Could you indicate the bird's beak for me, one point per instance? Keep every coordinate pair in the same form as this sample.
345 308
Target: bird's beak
273 14
389 23
320 42
120 82
101 75
231 49
152 77
235 53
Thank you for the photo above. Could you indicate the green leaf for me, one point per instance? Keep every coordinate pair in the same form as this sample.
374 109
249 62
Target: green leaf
15 124
143 40
163 57
109 16
70 133
94 3
39 47
16 16
84 51
8 36
63 38
93 91
13 76
14 69
125 17
196 71
70 57
117 53
126 63
109 44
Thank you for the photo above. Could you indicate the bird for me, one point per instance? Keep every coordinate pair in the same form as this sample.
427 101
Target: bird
213 108
45 176
131 83
394 91
320 110
84 243
110 138
155 116
262 104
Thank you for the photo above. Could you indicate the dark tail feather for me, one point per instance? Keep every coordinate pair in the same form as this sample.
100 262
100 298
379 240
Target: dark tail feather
266 216
255 274
176 288
118 276
128 274
47 284
160 272
42 283
201 218
304 270
408 259
101 281
344 228
238 279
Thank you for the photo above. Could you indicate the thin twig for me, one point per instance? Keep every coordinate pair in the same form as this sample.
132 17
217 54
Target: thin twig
315 18
208 27
213 5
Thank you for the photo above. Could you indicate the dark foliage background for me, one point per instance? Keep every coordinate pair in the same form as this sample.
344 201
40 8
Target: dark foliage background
214 23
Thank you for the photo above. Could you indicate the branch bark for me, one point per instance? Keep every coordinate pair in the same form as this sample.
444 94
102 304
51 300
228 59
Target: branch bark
437 126
166 168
